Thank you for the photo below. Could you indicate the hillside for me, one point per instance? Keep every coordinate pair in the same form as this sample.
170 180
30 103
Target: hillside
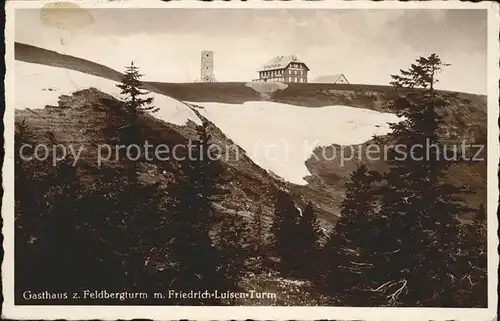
75 102
465 119
28 53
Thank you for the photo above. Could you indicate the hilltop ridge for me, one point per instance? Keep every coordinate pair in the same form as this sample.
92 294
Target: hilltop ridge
465 119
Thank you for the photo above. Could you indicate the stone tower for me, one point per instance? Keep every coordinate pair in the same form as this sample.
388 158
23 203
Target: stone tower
207 66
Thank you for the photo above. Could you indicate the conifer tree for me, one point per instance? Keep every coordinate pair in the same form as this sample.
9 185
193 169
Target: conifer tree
308 232
346 254
25 187
136 103
192 218
234 248
258 236
284 230
30 207
135 100
417 227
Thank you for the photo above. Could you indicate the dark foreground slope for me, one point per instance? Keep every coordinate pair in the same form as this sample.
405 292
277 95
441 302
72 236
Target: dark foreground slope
91 118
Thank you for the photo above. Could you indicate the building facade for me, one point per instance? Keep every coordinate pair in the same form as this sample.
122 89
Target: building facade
288 69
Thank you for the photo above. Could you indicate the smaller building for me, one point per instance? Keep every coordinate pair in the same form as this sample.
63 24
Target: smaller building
331 79
287 69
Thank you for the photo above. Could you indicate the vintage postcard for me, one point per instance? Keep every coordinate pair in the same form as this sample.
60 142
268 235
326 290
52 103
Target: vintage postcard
251 160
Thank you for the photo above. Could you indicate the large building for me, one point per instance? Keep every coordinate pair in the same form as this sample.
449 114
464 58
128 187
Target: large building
284 69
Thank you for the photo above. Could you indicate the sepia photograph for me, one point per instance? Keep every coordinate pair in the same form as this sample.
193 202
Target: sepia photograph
170 159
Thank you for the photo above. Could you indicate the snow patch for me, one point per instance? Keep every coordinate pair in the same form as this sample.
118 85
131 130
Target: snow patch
281 137
37 86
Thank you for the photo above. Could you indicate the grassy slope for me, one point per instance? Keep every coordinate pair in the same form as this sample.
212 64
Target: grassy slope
38 55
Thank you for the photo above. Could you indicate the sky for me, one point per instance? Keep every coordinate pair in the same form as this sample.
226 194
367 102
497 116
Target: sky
365 45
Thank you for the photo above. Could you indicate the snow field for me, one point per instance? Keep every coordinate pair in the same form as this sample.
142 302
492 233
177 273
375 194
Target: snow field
38 85
280 137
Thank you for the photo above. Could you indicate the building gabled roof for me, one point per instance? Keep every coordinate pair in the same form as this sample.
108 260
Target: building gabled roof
329 79
280 62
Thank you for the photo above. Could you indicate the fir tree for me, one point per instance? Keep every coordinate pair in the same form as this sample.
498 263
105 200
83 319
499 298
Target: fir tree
346 254
417 230
307 239
30 207
135 100
192 218
259 237
27 202
284 230
233 244
136 103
